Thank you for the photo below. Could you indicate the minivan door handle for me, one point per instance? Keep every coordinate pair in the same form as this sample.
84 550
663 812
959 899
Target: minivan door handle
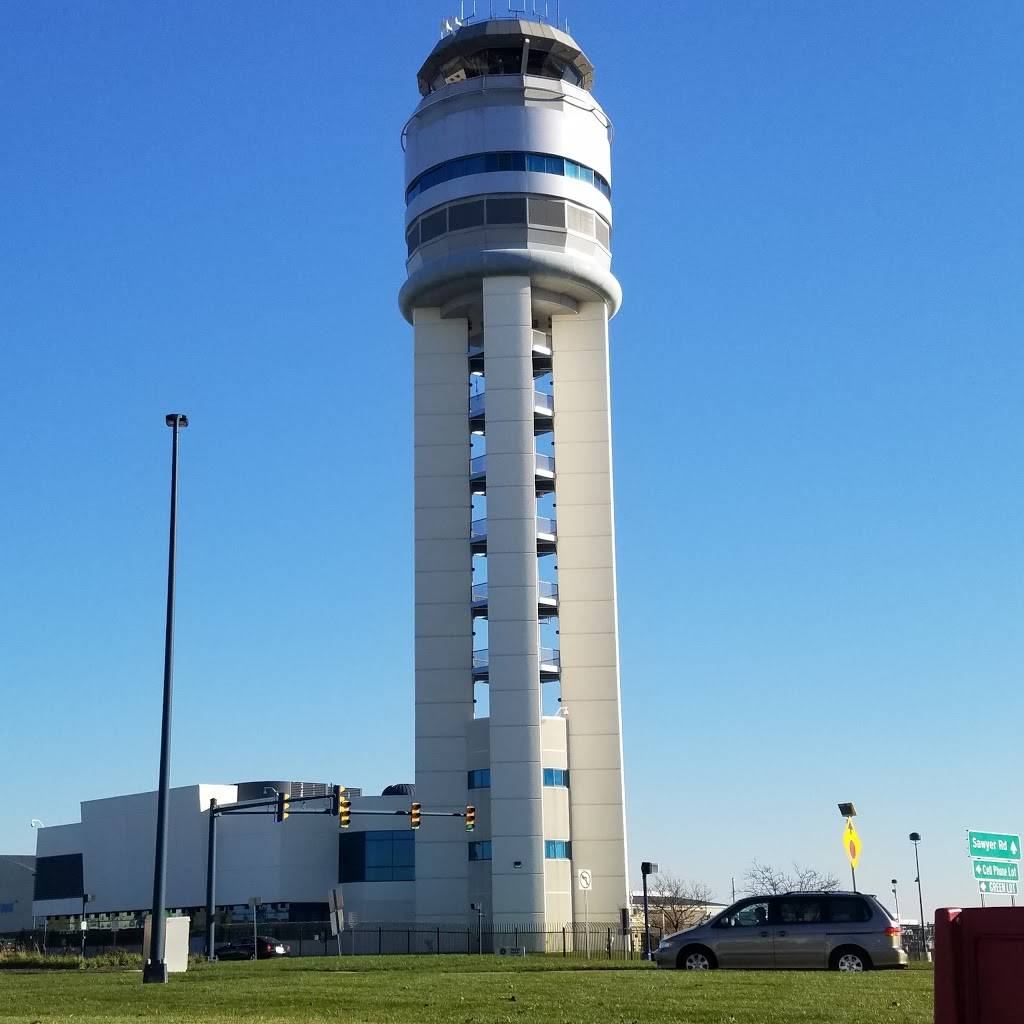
764 935
780 933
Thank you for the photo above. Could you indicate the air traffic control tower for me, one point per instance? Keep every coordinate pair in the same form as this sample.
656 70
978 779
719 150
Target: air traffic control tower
509 291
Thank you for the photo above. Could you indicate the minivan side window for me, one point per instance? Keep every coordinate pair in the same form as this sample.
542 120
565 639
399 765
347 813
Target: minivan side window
800 911
848 909
752 915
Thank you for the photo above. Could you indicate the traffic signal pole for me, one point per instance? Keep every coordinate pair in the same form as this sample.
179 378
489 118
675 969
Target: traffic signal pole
211 881
272 805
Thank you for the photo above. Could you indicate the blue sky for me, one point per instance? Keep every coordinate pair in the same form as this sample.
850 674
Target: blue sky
817 383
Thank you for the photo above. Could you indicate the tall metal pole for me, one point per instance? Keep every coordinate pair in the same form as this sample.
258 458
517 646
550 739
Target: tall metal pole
155 969
211 881
896 899
647 921
920 902
853 875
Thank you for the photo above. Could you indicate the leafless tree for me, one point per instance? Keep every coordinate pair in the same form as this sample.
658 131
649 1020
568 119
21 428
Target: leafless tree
677 903
766 880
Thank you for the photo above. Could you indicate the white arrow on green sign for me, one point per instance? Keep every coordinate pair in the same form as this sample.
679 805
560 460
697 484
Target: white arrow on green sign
1000 888
994 845
996 871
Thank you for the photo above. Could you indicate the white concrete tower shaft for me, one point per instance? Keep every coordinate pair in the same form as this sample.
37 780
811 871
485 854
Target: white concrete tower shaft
509 291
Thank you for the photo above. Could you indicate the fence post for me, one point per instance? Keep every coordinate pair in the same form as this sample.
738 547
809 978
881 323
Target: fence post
609 943
437 948
380 939
408 940
515 935
564 947
469 936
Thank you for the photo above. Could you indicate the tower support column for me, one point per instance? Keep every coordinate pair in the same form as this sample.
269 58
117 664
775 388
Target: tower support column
444 631
587 607
517 829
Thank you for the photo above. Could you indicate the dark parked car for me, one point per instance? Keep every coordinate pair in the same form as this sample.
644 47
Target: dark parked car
266 948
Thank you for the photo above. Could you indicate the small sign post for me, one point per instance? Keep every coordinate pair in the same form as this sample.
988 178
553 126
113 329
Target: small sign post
852 846
254 902
337 902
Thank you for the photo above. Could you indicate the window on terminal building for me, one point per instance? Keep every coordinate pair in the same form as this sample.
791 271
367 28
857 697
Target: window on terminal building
557 849
479 778
384 856
556 777
480 851
59 878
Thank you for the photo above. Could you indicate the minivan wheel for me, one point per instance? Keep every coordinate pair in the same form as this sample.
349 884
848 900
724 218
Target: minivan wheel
850 960
696 958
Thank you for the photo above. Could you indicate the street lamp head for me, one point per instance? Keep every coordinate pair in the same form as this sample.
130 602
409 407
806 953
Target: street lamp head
176 419
894 883
848 810
915 837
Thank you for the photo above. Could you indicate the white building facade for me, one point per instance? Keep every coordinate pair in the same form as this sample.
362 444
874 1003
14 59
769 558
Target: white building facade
291 866
509 292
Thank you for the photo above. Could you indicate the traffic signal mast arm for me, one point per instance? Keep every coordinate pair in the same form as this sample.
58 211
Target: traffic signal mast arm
269 804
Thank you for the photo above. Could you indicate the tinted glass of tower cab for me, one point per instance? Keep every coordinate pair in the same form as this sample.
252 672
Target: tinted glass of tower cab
507 60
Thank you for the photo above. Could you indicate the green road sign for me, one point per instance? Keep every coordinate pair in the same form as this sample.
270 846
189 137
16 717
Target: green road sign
994 845
998 888
996 871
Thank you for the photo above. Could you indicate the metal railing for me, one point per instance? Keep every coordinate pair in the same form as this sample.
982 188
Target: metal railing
543 464
545 591
546 526
549 656
543 403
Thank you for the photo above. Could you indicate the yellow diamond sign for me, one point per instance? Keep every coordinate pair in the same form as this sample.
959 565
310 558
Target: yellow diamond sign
851 843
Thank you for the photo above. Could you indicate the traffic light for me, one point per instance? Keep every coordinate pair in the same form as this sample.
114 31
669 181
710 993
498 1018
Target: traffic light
470 817
336 794
282 806
344 811
414 816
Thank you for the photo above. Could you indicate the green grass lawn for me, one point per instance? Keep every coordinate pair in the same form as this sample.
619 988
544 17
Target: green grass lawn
468 990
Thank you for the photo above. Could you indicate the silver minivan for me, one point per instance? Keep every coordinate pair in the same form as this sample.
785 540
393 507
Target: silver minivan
842 931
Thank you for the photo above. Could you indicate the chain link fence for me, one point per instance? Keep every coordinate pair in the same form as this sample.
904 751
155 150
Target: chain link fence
314 938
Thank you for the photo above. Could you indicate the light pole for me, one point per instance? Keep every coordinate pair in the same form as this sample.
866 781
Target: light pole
155 969
849 812
915 838
647 868
211 882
